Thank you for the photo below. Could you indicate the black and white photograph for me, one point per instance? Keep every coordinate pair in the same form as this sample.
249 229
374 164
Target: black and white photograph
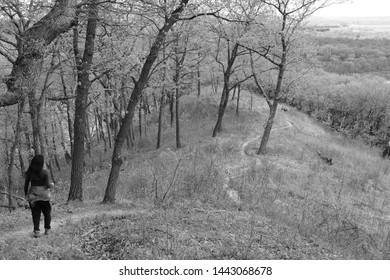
206 138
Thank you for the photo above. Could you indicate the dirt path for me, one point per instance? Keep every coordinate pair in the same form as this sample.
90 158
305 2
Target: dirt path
63 217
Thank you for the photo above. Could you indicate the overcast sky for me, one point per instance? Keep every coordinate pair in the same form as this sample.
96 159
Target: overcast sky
358 8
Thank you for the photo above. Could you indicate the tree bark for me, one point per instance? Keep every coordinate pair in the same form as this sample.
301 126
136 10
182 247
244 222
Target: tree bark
179 61
35 108
198 84
178 143
171 107
12 154
67 103
273 106
162 99
21 160
108 127
225 92
83 85
238 99
160 118
268 128
140 118
31 50
102 135
117 161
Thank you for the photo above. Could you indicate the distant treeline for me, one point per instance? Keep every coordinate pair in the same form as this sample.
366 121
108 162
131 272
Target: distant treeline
357 105
348 56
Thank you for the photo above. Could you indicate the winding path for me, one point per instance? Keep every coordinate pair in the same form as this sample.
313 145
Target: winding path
71 217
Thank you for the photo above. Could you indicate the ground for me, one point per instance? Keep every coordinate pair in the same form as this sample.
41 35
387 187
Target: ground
217 199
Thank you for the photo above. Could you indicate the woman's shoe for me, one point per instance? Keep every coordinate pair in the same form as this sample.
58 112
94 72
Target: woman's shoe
36 233
47 231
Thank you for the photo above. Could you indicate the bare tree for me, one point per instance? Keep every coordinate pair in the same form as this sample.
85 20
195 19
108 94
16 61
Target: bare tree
169 20
80 120
12 154
232 54
285 22
31 47
230 31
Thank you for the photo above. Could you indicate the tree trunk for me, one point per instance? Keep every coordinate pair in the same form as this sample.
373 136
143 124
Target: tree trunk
179 61
21 160
12 154
130 137
101 134
154 101
61 131
31 50
162 100
88 135
178 144
83 85
238 99
225 92
140 118
171 107
67 103
53 130
251 105
273 107
34 115
234 92
268 128
160 119
117 161
145 109
109 136
198 78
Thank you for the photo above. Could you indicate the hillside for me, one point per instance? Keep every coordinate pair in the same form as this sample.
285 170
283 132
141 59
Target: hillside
217 199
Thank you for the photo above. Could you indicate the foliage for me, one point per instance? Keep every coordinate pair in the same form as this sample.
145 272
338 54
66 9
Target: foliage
355 105
214 198
348 56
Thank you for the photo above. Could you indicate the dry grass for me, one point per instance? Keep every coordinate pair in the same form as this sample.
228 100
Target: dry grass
212 200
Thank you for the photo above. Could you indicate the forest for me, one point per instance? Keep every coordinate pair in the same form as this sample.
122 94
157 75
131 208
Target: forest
228 106
87 85
350 92
349 56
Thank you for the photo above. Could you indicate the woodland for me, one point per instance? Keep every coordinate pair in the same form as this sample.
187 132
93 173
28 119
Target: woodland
85 87
104 89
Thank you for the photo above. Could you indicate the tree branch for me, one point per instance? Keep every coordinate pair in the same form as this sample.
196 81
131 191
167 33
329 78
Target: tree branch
7 56
259 86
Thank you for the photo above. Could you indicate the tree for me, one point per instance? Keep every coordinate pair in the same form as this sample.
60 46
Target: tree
170 18
285 22
230 31
31 48
83 84
162 96
12 154
179 57
23 42
19 16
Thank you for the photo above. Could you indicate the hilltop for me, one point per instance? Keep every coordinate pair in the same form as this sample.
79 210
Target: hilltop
216 199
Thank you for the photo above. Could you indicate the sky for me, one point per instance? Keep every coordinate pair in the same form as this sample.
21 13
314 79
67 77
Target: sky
358 8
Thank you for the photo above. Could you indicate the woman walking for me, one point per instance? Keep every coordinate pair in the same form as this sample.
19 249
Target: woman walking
38 195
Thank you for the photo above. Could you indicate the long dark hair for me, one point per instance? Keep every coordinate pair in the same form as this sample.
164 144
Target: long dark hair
36 166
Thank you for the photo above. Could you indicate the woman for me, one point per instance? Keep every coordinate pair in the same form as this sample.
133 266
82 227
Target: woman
38 195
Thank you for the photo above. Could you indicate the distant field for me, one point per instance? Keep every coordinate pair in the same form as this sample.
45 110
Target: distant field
353 27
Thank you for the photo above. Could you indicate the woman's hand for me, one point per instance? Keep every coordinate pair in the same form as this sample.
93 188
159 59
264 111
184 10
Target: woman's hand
25 202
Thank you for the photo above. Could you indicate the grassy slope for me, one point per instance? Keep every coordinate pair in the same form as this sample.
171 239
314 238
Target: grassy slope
216 199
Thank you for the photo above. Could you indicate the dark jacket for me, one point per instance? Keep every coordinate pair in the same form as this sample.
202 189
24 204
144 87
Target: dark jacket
39 189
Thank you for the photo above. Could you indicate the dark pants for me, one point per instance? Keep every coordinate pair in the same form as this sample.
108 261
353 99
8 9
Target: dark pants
36 208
